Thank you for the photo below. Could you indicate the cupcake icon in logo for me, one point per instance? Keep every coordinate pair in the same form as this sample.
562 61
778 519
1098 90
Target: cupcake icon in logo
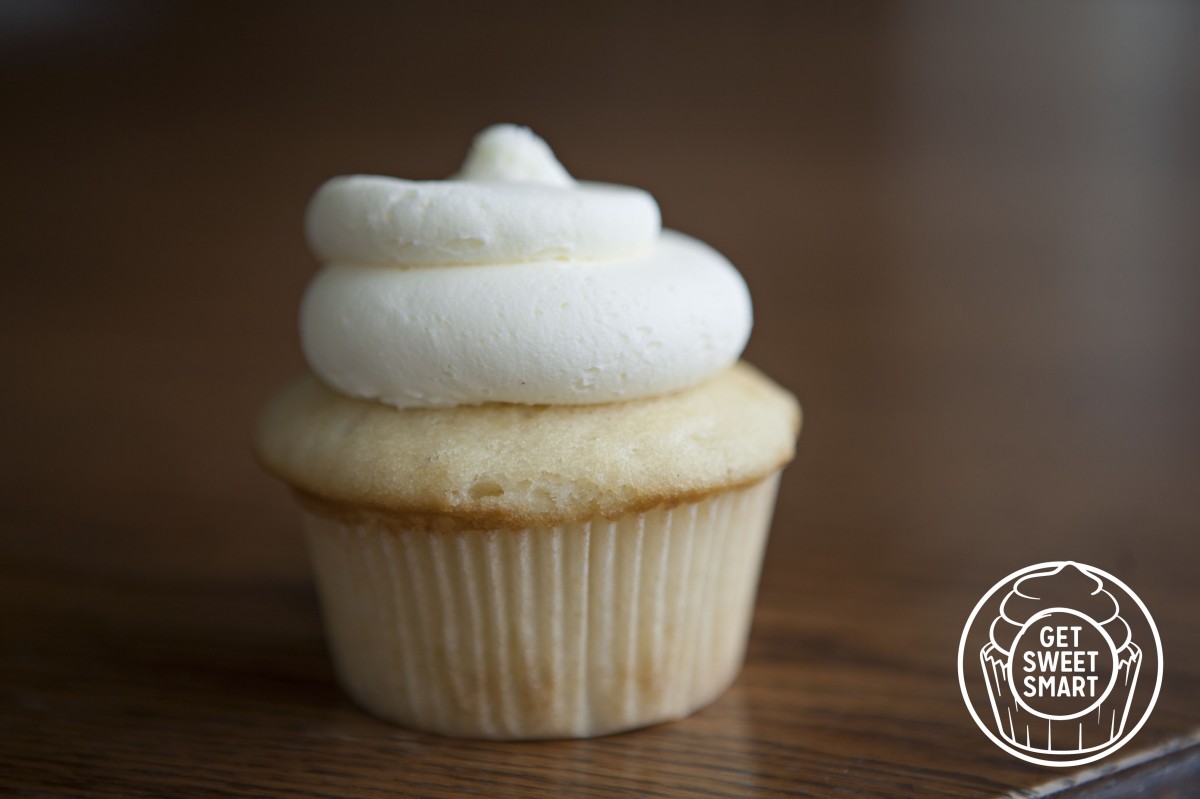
1060 664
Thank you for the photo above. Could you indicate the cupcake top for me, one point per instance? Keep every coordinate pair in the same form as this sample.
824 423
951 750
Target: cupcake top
511 348
511 282
515 466
1066 586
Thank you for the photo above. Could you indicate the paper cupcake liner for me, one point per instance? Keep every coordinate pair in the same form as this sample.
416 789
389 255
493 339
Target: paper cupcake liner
1037 735
549 632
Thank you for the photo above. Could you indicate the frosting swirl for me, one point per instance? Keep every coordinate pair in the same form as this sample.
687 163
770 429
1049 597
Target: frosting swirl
511 283
1065 586
510 202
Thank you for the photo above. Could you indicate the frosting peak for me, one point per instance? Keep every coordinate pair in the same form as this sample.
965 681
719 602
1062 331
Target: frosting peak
513 154
512 202
1066 585
511 282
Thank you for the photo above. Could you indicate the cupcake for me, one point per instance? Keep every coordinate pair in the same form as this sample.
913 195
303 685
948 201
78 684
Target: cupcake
1060 666
535 479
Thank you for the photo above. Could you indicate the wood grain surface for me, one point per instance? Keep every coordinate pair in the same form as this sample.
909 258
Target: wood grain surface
971 235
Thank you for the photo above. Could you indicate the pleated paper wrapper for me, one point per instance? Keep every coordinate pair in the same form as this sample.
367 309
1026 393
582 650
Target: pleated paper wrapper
1087 733
550 632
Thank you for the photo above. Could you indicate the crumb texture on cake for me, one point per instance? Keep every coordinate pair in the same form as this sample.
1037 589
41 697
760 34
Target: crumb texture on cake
512 466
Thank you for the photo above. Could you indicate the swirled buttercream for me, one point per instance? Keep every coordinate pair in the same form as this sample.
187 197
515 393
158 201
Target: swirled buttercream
1065 586
511 283
511 201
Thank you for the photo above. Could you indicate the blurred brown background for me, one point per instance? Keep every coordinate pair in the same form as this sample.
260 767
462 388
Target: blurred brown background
970 230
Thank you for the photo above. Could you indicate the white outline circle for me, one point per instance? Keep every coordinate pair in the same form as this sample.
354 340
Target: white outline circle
1000 742
1112 648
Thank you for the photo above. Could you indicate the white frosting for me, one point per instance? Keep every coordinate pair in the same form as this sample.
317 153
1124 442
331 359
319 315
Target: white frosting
512 284
515 155
512 201
539 333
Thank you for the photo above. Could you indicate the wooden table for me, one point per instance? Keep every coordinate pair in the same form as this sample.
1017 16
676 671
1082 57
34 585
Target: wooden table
971 237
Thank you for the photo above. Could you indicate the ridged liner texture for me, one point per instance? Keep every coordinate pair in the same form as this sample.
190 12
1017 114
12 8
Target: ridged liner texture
549 632
1089 733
